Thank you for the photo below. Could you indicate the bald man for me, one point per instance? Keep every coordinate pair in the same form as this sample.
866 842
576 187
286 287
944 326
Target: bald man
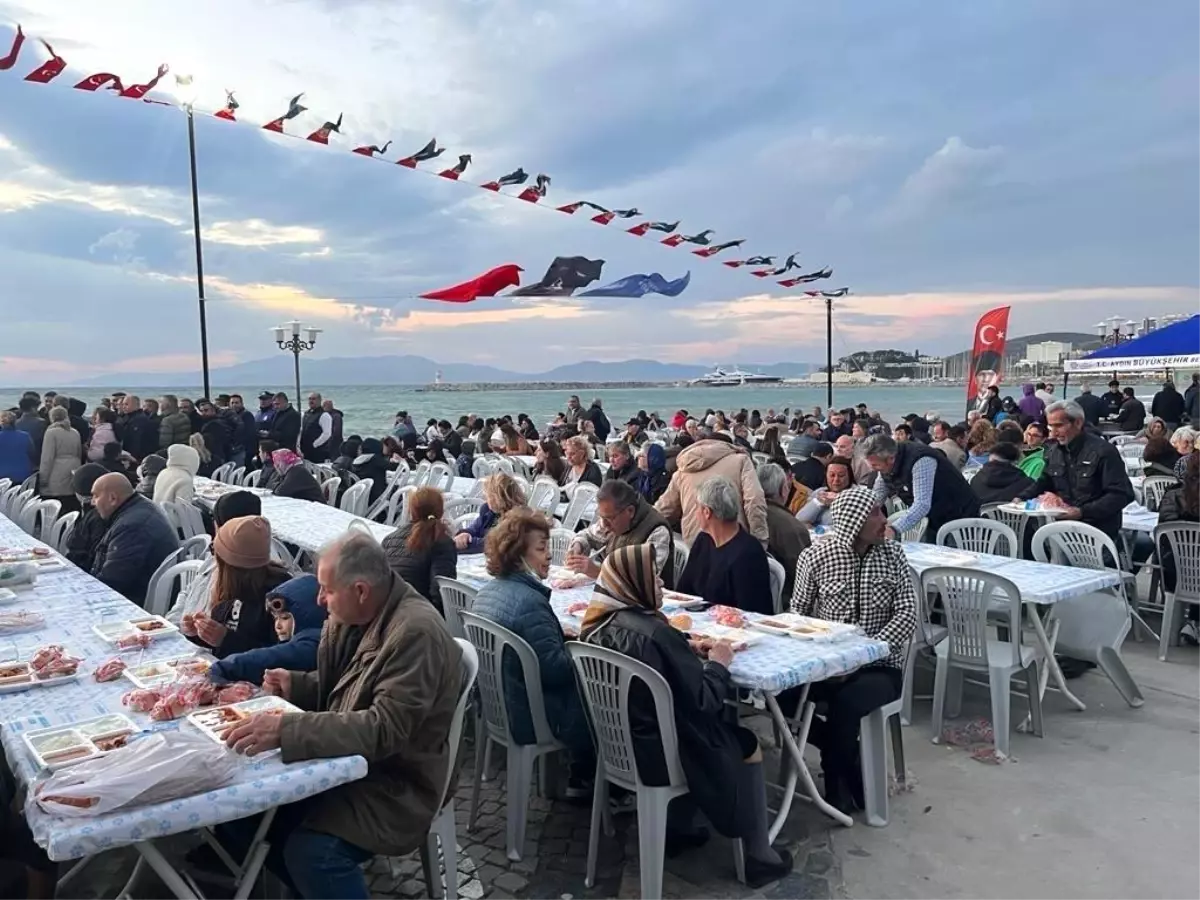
137 540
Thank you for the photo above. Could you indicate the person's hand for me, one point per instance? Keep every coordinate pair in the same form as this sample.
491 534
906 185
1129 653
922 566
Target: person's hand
700 646
278 682
462 541
721 652
824 497
1071 512
890 533
187 626
258 734
570 632
209 630
578 562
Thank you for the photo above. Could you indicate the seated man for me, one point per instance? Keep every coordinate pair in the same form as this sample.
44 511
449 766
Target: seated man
726 565
623 518
787 537
859 577
137 540
386 685
84 538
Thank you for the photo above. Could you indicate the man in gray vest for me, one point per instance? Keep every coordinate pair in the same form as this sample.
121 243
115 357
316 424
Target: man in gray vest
623 517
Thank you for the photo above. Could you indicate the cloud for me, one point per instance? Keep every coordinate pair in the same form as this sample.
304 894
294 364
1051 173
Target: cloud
119 246
257 233
946 176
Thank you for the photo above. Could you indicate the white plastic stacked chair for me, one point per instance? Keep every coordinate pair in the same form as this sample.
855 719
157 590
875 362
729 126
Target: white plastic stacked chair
161 591
914 533
560 543
1153 489
979 536
221 473
397 513
357 497
329 489
252 479
1018 522
966 596
236 476
491 641
460 506
522 468
60 532
583 496
1184 540
544 495
481 467
37 518
440 476
606 681
30 483
420 475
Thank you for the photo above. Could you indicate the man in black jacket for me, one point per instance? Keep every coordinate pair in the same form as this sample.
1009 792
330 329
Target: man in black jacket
316 430
285 426
139 437
923 478
137 540
1113 398
247 429
1093 407
1168 405
596 416
1085 471
1191 401
89 528
1132 414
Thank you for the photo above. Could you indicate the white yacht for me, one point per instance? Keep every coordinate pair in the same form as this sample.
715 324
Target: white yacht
734 377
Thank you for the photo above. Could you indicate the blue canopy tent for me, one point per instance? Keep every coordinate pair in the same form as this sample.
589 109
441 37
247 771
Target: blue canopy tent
1174 347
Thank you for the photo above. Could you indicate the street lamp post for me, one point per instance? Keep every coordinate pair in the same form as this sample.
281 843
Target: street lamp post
287 336
1113 331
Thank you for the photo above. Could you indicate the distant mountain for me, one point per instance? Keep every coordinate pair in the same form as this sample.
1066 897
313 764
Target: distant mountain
420 370
1015 347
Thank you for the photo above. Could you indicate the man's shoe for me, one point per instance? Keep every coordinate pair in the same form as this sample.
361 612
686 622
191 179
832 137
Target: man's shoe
1190 633
760 874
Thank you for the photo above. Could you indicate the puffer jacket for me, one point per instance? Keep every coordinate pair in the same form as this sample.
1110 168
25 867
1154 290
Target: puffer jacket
299 654
700 462
420 568
101 435
137 540
175 481
174 429
61 451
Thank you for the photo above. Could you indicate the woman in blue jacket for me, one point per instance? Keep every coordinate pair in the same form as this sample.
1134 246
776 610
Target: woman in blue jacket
16 450
500 494
298 622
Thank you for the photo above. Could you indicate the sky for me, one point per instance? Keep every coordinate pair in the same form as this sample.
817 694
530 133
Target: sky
942 157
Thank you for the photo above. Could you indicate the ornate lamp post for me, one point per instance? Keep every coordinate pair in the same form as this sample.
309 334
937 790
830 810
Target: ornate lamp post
1113 331
287 336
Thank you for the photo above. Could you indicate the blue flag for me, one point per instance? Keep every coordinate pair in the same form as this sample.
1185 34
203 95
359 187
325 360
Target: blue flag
640 285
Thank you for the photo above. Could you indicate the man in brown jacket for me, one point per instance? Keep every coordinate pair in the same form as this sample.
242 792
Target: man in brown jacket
386 685
700 462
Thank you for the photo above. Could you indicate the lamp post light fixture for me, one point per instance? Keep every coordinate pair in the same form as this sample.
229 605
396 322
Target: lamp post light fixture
287 336
1113 331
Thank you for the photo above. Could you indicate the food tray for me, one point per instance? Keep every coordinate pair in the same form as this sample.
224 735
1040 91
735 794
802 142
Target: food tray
156 673
563 579
118 628
1036 510
24 554
676 600
804 628
54 748
216 721
22 677
7 596
739 637
933 555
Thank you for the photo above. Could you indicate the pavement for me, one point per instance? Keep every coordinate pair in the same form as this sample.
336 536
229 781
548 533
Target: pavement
1105 805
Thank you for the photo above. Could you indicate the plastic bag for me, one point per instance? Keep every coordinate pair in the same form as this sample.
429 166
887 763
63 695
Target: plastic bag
153 769
18 574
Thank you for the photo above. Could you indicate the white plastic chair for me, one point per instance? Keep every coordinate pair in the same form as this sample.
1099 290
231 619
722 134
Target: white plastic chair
1184 540
481 467
8 498
329 489
456 597
195 547
979 536
37 518
606 679
1091 626
60 531
30 483
191 522
398 512
681 553
966 595
282 555
356 498
252 479
443 828
544 494
560 543
236 476
914 534
460 506
778 577
583 496
420 475
491 641
320 471
1153 489
926 636
893 505
161 592
221 473
1018 522
441 476
22 499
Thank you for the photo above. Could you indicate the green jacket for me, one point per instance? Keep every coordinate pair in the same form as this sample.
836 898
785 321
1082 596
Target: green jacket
1033 463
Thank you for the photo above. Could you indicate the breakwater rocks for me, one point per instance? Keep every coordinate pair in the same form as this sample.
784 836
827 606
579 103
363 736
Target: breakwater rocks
466 387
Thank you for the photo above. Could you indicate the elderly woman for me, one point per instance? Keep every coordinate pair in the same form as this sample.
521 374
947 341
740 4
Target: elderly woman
1183 439
727 564
839 475
1155 428
518 559
722 761
61 456
579 465
501 493
653 479
423 550
292 479
103 432
1159 457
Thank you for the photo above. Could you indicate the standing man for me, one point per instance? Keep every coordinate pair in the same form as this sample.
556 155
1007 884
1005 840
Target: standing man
247 429
284 429
1093 407
1044 392
140 435
1168 405
1191 400
32 424
174 427
1113 399
335 442
265 414
599 420
47 404
573 411
924 479
316 429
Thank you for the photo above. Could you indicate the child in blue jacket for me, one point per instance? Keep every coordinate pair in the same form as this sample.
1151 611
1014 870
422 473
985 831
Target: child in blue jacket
298 622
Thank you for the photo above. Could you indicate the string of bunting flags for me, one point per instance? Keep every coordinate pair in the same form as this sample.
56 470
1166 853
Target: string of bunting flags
760 266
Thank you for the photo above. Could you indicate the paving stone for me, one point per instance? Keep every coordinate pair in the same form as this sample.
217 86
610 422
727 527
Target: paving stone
496 858
800 885
510 881
472 890
818 862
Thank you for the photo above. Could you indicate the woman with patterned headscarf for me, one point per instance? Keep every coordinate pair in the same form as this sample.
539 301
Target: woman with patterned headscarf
294 479
722 762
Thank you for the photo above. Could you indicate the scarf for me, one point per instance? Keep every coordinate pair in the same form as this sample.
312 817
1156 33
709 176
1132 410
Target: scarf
627 579
283 459
656 463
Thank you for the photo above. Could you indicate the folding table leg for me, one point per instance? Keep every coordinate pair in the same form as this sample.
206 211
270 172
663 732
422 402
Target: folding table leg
795 749
172 879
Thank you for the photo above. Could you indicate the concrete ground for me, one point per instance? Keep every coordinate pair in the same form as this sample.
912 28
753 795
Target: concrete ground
1106 805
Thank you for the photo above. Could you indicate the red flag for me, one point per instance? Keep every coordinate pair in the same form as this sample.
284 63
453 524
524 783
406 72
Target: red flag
11 60
50 69
987 354
321 135
604 218
137 91
228 112
99 80
485 285
371 149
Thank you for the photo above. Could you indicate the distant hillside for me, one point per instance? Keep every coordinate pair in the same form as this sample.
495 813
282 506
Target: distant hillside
1015 348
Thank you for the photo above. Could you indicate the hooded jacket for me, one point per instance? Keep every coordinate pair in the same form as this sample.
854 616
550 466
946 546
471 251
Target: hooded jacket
299 654
999 482
151 467
16 454
873 590
700 462
102 434
1030 404
175 481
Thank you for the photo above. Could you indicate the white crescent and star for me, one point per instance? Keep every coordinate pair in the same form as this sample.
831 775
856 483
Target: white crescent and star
997 334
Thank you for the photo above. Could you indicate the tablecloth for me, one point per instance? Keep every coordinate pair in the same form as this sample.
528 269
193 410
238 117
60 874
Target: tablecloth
770 663
1137 518
72 601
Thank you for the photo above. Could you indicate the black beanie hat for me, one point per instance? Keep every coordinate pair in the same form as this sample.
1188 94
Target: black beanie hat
237 505
85 476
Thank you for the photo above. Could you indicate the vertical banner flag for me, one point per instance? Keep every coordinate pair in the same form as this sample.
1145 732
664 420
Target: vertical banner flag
987 354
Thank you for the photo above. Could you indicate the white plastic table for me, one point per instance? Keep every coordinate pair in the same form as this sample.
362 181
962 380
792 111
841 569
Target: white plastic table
770 665
72 602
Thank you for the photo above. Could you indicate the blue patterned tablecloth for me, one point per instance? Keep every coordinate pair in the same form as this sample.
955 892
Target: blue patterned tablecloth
771 663
1137 518
72 602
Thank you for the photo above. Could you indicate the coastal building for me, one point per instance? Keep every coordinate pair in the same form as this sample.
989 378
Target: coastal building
930 367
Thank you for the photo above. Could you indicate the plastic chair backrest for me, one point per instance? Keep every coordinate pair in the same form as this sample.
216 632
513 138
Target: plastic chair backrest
329 488
970 473
23 498
1132 449
354 501
560 542
456 597
195 547
967 595
606 679
681 554
437 473
1184 540
319 472
504 464
490 642
380 506
460 506
37 518
1074 544
1153 488
980 536
221 473
159 593
191 522
30 484
167 508
236 476
421 473
778 577
893 505
399 513
584 494
468 671
60 532
361 525
252 479
281 554
5 484
1014 520
914 533
544 495
481 467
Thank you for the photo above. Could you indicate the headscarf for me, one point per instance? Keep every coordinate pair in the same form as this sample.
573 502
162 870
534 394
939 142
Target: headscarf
627 579
656 464
283 459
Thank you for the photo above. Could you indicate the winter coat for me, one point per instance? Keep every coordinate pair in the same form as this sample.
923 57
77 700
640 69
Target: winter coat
595 415
249 623
298 654
300 484
84 538
61 454
102 434
152 466
385 691
711 750
137 540
478 530
174 429
697 464
139 438
1030 404
16 454
375 468
1191 403
34 426
998 481
521 604
1168 405
175 482
1093 407
285 428
788 538
1088 473
420 567
735 574
1132 415
952 451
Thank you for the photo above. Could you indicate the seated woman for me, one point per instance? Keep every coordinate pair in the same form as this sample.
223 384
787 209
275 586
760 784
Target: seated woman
205 445
579 462
980 440
194 598
295 480
236 617
518 556
500 494
423 550
727 564
369 462
772 446
1182 504
839 475
515 443
435 452
722 761
652 479
1183 439
549 461
298 620
1155 428
1159 457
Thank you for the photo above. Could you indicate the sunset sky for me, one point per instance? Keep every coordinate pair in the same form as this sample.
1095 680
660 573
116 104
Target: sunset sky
942 157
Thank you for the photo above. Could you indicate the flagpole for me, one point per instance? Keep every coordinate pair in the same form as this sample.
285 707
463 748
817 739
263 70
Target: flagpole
829 352
191 124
